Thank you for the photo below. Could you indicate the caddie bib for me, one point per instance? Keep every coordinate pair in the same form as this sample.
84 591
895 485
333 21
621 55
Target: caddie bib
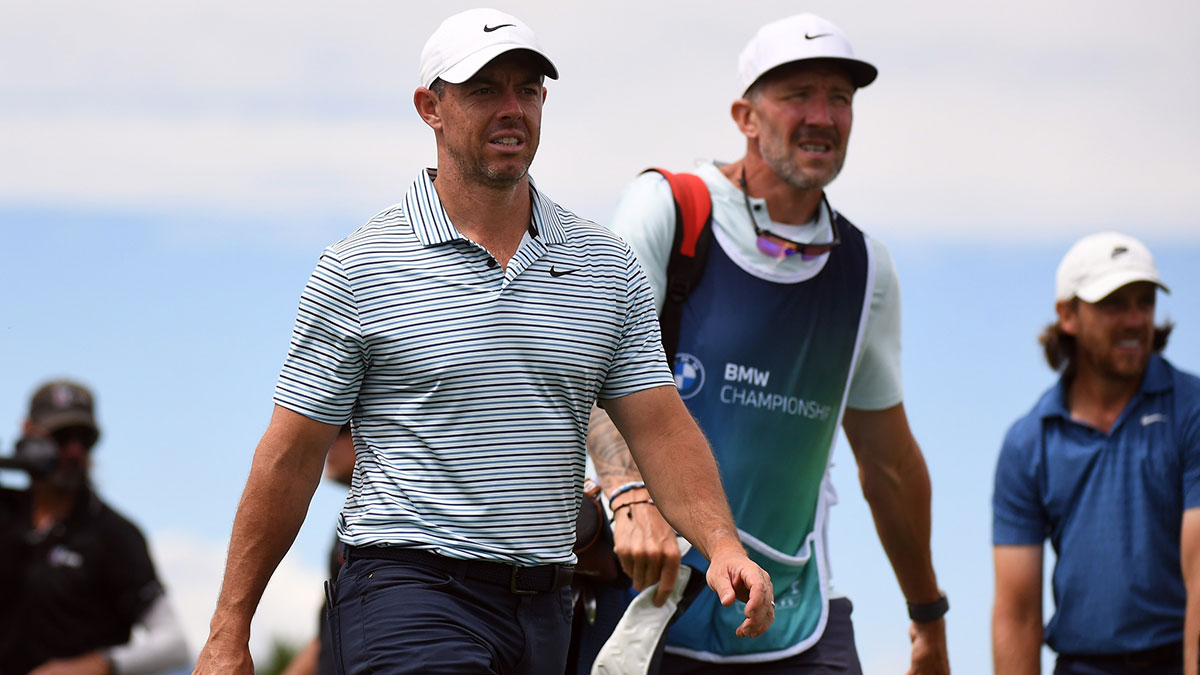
764 368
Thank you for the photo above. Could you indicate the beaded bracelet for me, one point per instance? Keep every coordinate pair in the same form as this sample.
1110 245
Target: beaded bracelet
630 503
634 485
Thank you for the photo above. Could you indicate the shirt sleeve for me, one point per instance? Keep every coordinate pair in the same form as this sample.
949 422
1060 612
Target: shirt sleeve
326 361
1018 517
640 362
877 383
645 218
1189 440
130 575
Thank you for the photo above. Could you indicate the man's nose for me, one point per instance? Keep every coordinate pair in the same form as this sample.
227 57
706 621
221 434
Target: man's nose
819 112
1137 315
510 105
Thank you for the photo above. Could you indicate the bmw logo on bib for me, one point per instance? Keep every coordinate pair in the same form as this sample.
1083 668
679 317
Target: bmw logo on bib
689 375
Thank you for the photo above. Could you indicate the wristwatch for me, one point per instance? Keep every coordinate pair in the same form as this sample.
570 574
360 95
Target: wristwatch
929 611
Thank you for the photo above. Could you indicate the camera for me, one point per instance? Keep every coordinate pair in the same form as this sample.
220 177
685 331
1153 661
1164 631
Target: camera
35 456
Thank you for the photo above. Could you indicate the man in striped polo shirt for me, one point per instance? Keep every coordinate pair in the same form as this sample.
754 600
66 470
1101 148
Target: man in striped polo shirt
467 331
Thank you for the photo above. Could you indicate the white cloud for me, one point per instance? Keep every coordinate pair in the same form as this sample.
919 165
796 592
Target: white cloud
992 120
256 166
191 568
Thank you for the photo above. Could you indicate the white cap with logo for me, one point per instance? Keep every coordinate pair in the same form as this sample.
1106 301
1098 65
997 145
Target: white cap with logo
1101 263
467 41
800 38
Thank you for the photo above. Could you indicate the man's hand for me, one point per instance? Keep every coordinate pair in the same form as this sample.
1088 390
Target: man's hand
735 576
217 658
679 469
929 648
92 663
647 547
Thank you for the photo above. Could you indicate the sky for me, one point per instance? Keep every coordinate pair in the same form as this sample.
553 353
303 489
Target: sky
169 173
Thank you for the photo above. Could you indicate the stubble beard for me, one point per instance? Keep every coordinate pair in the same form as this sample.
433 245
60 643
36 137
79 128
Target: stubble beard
1113 367
780 158
1114 370
68 482
478 171
68 476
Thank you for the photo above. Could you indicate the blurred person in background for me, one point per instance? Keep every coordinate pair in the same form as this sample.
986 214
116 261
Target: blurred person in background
78 576
1107 466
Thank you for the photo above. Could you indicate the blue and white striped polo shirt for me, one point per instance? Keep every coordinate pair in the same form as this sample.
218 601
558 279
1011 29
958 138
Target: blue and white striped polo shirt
470 385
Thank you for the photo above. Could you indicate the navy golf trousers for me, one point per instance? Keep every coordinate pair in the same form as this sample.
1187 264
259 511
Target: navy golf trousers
390 617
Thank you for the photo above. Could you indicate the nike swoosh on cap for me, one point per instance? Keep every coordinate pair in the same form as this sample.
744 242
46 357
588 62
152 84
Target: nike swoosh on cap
488 29
818 35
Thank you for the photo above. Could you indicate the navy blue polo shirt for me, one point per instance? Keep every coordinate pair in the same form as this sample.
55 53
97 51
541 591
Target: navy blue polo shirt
1112 506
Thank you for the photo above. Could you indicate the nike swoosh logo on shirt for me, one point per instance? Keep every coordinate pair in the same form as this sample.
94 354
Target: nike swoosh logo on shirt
1152 418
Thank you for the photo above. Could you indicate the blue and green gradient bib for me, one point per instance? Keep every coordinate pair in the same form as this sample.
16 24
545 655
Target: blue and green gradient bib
764 367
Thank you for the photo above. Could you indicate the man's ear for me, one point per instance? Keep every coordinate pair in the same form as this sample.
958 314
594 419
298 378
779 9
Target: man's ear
1068 316
745 117
426 102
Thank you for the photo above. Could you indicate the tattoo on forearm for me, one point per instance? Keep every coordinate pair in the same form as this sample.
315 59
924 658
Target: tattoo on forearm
610 454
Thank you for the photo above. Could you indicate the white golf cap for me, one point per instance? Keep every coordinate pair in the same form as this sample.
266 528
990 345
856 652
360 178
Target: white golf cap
467 41
1101 263
800 38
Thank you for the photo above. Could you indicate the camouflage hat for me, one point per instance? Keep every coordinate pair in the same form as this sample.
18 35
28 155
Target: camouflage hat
59 404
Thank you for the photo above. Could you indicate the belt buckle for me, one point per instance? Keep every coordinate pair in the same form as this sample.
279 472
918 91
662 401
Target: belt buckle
512 583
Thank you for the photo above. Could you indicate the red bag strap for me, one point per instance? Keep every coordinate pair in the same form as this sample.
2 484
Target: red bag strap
689 251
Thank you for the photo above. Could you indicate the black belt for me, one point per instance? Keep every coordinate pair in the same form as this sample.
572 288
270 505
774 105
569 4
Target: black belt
517 579
1166 655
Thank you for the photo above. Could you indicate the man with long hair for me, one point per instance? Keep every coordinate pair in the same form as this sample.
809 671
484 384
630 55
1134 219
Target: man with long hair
1107 465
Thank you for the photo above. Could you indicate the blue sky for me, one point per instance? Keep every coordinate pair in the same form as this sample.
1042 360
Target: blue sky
169 175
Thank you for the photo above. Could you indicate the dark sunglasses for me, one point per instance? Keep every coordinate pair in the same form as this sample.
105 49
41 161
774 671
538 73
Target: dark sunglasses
85 436
780 247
